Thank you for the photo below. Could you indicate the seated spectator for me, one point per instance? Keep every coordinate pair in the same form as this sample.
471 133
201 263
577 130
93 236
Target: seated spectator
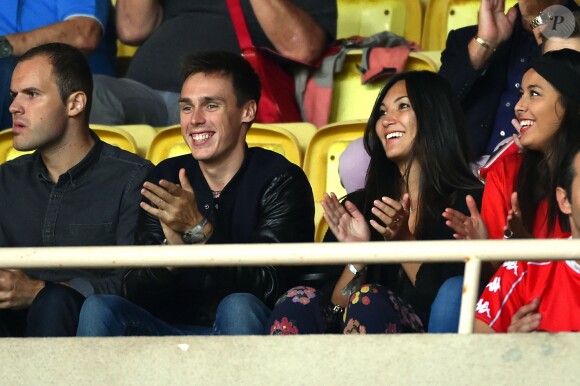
485 63
73 190
540 295
223 192
86 25
418 168
517 201
169 30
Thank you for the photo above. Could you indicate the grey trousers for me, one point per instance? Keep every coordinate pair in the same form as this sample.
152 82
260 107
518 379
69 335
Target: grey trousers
123 101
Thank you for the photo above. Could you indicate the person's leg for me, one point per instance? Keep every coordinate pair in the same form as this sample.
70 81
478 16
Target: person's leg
122 101
445 309
241 314
54 312
298 311
376 310
110 315
6 68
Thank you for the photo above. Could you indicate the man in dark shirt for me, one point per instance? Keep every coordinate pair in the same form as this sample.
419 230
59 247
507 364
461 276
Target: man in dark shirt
73 190
223 192
168 30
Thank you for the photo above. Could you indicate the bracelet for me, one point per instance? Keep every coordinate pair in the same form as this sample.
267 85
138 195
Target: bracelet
353 269
483 43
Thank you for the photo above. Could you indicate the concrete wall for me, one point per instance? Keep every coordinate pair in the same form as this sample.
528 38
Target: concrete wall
530 359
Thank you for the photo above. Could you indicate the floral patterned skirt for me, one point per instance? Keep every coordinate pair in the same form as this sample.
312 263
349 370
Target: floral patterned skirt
373 309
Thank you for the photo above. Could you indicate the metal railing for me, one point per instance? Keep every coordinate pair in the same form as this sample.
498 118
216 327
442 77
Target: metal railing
470 252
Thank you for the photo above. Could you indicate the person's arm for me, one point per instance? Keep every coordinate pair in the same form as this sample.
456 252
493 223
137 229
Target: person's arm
287 210
129 209
137 19
292 31
109 281
494 27
81 32
481 327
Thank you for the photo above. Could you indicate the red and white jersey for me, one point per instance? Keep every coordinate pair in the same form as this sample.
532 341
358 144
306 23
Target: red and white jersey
517 283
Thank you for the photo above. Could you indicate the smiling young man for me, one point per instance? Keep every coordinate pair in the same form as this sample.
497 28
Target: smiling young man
223 192
73 190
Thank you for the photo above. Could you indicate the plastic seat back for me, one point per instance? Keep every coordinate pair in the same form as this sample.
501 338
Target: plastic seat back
321 160
352 100
110 134
368 17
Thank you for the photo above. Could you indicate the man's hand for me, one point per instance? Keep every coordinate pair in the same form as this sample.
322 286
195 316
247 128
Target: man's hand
527 318
494 27
17 290
466 228
174 205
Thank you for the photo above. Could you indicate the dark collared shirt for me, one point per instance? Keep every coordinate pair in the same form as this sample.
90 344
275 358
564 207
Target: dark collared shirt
96 202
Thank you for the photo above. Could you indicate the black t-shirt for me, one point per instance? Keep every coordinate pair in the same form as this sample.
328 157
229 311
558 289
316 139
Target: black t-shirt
196 25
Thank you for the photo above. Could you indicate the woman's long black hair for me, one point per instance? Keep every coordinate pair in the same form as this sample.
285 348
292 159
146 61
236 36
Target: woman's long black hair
439 148
539 173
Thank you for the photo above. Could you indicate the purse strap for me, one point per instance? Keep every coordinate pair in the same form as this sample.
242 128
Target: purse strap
242 32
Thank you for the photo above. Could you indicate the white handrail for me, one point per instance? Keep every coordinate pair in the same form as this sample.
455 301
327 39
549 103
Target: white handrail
472 252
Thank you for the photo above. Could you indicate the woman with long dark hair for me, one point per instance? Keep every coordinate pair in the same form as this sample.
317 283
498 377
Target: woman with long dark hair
519 200
419 166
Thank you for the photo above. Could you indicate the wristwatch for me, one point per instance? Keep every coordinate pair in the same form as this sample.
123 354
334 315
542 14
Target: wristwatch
5 47
195 235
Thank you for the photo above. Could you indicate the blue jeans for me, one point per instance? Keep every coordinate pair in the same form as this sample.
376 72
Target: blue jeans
445 309
110 315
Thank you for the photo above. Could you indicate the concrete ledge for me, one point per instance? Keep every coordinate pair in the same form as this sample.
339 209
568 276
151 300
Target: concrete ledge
530 359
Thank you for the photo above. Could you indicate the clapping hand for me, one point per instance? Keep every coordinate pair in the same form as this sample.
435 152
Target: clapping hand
466 227
346 223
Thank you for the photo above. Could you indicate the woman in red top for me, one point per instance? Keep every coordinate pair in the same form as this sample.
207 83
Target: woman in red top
518 199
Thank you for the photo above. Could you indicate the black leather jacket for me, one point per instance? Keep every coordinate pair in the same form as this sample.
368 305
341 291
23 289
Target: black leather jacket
269 200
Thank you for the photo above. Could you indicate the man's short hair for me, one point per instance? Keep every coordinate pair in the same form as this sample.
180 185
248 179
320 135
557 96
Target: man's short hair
245 81
70 69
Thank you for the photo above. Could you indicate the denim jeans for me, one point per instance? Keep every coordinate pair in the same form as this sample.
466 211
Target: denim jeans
445 309
110 315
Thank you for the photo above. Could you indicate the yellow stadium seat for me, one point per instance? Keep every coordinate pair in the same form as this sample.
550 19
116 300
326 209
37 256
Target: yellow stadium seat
110 134
321 161
368 17
443 16
353 100
142 134
169 143
303 131
116 136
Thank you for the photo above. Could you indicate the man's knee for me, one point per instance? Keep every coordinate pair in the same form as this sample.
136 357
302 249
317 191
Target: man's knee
241 314
98 314
54 312
56 298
